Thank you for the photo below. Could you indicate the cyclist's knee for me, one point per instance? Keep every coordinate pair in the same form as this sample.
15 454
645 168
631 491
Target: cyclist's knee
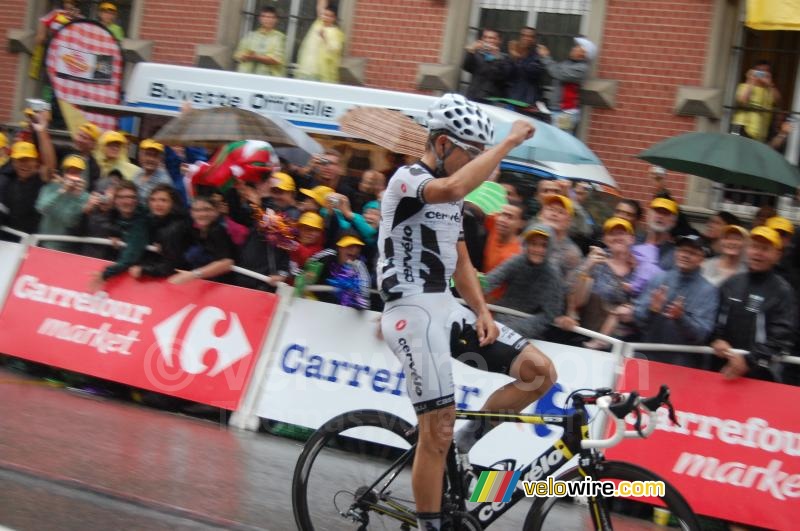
436 430
534 369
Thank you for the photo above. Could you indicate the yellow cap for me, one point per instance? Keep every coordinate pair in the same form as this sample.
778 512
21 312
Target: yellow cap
347 241
283 181
149 143
565 201
312 219
112 136
24 150
91 129
536 231
318 193
781 224
614 222
73 161
771 235
107 6
3 141
737 229
667 204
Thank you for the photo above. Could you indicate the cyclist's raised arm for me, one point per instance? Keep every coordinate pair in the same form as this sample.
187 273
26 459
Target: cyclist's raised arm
471 175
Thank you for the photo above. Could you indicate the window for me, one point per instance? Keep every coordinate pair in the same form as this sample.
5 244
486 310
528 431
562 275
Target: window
89 8
557 22
294 19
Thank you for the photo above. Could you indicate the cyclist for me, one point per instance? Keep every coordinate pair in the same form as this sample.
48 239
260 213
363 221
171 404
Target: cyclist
421 247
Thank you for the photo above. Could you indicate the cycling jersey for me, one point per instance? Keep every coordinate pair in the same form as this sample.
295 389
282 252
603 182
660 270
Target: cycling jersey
417 240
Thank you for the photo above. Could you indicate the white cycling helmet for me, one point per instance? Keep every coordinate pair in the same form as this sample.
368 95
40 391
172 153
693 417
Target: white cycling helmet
461 118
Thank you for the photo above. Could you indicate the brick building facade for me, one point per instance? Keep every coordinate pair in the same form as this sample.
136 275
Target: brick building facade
657 59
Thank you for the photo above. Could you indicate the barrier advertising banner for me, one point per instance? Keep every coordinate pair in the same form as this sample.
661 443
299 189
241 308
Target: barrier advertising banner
198 341
735 454
329 361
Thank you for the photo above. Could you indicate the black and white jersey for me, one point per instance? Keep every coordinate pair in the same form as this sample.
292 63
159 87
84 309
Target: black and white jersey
417 241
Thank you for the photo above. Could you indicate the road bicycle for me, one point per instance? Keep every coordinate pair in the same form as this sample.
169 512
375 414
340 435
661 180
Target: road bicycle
331 490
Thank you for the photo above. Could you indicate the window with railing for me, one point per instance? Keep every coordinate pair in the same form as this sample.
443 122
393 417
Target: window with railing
295 17
91 10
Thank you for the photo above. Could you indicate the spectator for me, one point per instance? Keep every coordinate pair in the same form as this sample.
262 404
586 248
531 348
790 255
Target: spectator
730 261
84 143
114 155
658 246
281 198
715 225
263 51
310 233
20 187
528 70
114 215
364 230
3 152
756 97
608 283
315 199
108 18
631 211
763 213
531 285
788 265
679 306
152 172
758 313
61 202
557 212
210 252
568 76
176 160
321 50
323 170
345 272
236 230
545 188
502 236
490 68
370 188
584 228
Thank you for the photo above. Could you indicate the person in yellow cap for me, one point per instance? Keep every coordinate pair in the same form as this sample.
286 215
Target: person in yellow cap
316 198
20 184
281 196
107 12
733 240
3 150
112 154
758 313
789 265
310 232
84 144
658 245
152 172
61 202
557 212
344 269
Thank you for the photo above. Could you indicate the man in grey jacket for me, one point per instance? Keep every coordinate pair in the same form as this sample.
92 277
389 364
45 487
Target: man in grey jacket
568 76
679 306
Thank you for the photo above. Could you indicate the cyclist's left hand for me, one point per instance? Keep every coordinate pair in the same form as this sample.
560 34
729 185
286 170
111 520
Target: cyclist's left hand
487 329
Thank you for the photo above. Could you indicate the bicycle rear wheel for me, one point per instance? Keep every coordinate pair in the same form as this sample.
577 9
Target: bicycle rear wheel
627 514
334 476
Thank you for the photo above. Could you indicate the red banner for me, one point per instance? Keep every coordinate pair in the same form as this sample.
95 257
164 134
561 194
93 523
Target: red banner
735 454
198 341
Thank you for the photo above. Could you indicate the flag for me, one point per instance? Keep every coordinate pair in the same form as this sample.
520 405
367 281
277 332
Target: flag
495 486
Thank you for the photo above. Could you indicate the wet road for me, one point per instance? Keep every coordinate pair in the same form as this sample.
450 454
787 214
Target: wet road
68 461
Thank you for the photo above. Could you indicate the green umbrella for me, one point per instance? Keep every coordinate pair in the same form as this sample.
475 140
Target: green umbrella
726 158
489 197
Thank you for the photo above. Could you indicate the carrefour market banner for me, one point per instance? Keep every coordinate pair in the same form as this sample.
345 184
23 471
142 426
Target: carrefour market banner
736 453
198 341
329 360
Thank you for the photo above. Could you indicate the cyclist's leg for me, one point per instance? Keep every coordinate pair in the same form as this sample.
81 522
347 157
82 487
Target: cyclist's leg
417 332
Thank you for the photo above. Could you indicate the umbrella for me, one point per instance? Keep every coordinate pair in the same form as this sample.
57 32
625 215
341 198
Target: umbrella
222 125
304 148
389 129
725 158
548 144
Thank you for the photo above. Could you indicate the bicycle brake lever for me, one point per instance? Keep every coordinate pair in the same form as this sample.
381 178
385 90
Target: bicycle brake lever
638 424
672 416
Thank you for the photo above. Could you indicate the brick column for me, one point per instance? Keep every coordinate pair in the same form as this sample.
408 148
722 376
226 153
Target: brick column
176 27
12 16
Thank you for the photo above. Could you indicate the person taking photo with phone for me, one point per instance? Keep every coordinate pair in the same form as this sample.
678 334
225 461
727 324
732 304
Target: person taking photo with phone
61 202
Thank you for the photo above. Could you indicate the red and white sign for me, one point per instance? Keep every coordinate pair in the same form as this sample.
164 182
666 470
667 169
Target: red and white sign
84 63
735 455
198 341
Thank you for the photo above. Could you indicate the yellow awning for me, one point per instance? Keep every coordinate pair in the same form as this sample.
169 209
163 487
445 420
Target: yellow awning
773 14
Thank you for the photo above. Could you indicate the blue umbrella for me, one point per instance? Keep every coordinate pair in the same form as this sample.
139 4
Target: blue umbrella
549 144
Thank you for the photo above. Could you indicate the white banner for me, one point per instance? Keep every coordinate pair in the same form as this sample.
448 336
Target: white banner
329 360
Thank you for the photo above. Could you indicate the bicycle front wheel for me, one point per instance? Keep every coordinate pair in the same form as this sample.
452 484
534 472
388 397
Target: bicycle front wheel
627 514
355 473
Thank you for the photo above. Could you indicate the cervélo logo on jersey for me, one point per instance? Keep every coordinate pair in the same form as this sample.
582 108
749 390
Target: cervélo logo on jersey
196 341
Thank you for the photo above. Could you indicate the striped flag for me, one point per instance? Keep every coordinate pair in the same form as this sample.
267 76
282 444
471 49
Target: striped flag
495 486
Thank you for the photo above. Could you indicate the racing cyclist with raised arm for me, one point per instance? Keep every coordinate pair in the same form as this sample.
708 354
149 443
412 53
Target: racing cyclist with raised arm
421 245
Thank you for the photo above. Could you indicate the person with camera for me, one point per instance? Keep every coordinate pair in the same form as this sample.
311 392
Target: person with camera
152 172
322 170
61 202
490 68
756 98
112 215
30 170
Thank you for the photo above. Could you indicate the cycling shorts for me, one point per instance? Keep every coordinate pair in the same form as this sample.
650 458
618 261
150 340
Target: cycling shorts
425 331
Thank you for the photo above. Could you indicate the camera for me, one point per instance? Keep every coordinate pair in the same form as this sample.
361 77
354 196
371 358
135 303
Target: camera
333 201
324 162
37 105
760 74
